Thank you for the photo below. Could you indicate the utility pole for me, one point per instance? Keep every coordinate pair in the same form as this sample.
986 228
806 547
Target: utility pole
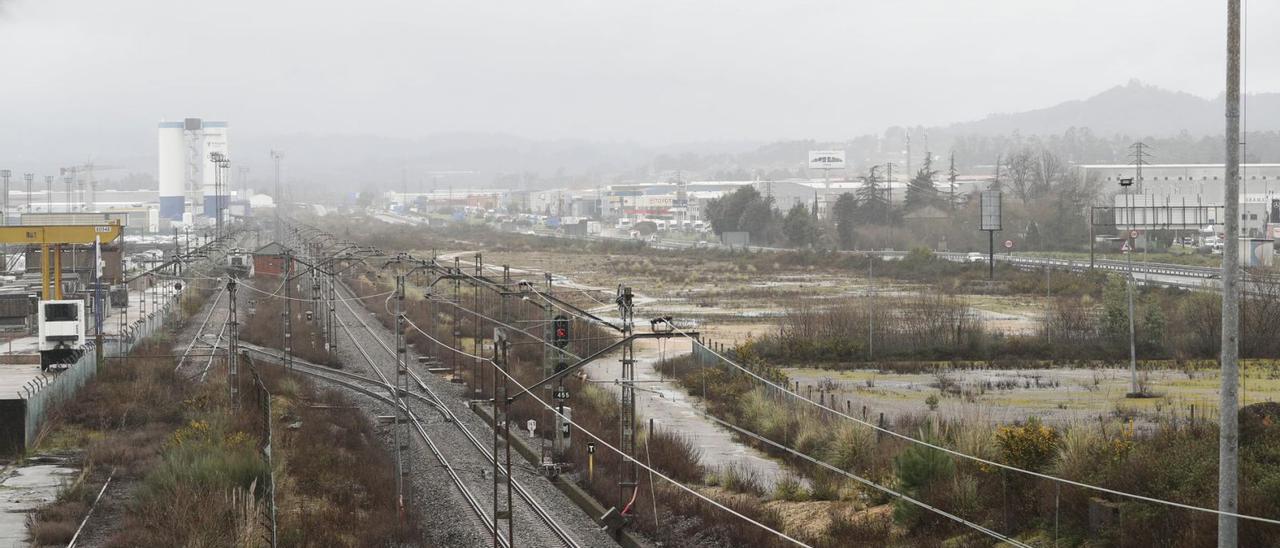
871 318
288 310
330 326
1229 426
501 417
1133 346
48 193
454 325
276 156
69 180
627 480
233 344
477 333
888 206
5 174
28 177
550 357
402 429
220 163
1130 242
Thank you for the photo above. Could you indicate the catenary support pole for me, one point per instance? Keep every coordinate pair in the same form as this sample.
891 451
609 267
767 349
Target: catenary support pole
1229 427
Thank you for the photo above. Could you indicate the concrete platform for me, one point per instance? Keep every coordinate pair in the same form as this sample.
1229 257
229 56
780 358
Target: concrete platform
14 375
26 489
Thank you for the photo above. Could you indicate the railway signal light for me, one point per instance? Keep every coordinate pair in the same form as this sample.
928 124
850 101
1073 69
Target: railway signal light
560 331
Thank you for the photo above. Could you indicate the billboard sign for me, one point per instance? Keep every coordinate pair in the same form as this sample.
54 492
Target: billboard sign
826 159
990 207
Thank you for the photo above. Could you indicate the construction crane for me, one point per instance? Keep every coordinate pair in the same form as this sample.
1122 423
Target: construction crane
61 322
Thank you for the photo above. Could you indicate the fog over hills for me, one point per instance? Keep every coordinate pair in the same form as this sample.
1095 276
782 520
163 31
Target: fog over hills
1130 111
1133 109
345 163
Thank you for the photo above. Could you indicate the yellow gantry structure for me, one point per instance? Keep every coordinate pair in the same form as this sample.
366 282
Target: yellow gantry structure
51 238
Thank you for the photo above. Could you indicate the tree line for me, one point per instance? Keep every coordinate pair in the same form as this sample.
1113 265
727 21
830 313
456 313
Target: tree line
1043 197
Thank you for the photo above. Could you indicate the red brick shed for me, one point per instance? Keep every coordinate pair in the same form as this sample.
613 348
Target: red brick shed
269 260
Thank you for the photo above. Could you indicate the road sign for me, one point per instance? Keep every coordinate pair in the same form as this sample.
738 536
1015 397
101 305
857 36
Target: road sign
561 393
1008 244
1133 233
1125 248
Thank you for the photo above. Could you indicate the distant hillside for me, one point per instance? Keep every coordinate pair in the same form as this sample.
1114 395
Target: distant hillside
1133 109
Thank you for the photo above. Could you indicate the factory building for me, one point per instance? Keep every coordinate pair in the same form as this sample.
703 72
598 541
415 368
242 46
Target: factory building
1193 183
1185 195
186 173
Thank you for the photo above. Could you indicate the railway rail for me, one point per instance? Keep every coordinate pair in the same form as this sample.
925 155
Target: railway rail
434 399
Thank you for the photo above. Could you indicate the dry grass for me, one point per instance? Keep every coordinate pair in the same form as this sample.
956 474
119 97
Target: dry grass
338 485
264 326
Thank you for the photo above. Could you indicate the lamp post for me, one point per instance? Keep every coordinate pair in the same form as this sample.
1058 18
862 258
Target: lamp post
1127 185
28 177
5 174
70 180
220 165
48 193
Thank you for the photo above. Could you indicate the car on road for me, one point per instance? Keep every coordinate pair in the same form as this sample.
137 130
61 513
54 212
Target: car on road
975 257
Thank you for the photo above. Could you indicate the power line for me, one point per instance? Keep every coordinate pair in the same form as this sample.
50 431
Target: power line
600 440
973 525
952 451
980 460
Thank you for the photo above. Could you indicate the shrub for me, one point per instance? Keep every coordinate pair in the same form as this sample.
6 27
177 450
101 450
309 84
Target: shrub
675 455
789 488
920 471
932 402
1031 445
740 479
851 447
826 485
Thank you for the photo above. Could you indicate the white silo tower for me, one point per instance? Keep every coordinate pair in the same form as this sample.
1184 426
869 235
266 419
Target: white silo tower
172 170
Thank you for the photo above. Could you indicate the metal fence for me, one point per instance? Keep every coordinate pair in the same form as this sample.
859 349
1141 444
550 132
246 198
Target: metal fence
260 404
45 392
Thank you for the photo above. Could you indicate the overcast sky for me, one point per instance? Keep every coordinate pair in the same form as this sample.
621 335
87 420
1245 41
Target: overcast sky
654 72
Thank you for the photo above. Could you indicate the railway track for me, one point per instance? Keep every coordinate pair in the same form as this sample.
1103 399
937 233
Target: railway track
559 533
373 388
195 337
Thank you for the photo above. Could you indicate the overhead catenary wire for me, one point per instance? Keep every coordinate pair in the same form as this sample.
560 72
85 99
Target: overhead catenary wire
897 494
887 431
975 526
598 439
953 452
979 460
277 294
